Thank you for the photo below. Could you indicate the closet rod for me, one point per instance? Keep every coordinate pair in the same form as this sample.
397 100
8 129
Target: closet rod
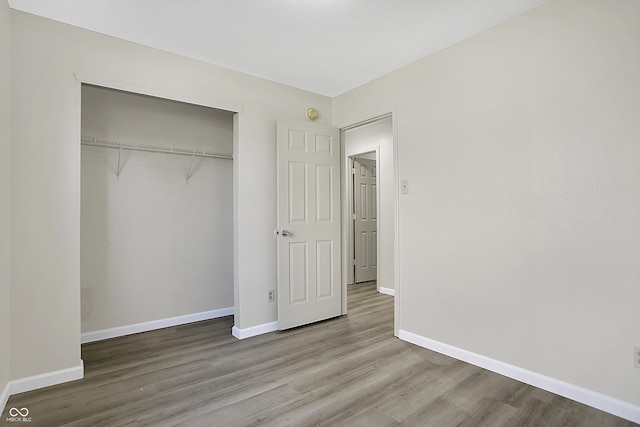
98 142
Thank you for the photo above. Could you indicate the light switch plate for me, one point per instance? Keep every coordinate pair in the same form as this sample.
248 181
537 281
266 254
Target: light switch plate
404 186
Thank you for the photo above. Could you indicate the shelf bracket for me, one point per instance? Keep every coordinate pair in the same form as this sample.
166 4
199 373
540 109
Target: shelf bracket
119 169
190 172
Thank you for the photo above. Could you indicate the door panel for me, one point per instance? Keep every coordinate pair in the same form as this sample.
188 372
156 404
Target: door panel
324 193
308 184
365 220
298 262
297 192
324 271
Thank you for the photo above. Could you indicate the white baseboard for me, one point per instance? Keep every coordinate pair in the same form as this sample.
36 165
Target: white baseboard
154 324
588 397
4 397
47 379
254 330
387 291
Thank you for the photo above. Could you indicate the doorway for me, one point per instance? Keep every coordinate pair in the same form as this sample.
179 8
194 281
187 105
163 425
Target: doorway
364 212
369 156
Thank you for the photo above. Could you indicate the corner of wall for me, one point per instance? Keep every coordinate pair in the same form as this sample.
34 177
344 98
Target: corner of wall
5 123
4 397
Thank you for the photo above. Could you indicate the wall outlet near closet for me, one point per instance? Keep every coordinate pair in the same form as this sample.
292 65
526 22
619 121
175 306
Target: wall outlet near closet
636 357
271 295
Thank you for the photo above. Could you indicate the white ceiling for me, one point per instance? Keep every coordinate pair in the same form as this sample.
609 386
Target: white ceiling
324 46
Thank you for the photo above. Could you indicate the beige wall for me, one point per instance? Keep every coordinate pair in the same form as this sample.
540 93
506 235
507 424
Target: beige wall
520 239
5 70
152 245
45 167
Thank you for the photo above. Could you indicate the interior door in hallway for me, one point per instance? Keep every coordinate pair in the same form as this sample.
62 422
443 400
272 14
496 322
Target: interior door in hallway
309 242
365 204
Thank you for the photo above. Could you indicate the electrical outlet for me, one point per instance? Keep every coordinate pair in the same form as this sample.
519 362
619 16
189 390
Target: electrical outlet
636 357
271 295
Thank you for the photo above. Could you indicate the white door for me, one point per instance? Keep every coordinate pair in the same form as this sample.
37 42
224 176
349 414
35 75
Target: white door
365 204
309 263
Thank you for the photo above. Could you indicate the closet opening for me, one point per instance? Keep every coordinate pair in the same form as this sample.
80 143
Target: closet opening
156 222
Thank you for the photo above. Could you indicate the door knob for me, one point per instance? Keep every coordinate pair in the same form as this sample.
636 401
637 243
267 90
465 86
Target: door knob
284 232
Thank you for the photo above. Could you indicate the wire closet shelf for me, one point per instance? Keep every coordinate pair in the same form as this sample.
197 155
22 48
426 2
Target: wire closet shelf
152 148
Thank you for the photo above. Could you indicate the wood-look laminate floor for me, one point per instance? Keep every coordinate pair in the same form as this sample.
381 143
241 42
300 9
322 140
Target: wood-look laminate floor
348 371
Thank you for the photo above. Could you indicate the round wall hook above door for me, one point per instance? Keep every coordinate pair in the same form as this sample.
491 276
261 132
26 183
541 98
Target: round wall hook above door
312 113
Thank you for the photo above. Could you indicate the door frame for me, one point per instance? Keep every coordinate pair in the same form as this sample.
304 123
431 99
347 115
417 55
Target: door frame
346 217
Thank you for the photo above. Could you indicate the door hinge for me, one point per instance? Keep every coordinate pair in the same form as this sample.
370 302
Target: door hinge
353 171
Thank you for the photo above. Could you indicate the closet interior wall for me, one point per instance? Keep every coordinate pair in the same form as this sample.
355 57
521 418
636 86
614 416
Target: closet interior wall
154 245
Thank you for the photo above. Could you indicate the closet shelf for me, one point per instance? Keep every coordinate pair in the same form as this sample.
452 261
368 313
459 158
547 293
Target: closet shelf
98 142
